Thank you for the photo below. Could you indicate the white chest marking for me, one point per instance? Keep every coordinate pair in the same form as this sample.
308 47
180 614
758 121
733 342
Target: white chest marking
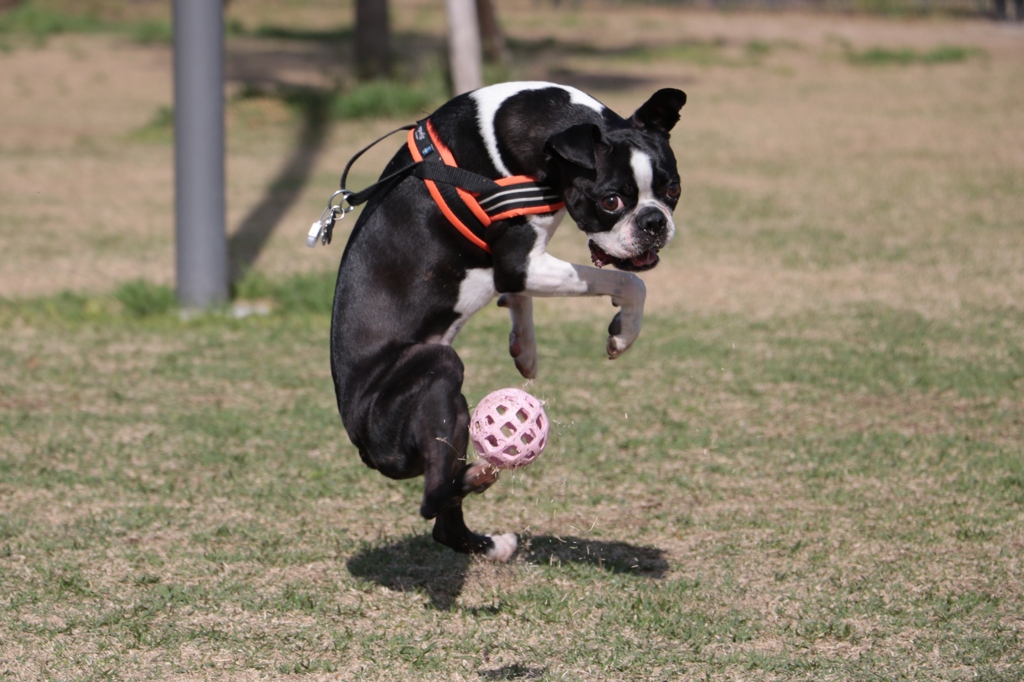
489 100
547 275
475 291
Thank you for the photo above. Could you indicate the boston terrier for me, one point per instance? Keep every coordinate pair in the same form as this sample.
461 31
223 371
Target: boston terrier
427 253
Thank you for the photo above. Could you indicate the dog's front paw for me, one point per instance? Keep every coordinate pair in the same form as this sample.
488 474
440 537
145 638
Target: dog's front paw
504 547
523 354
616 346
625 326
619 342
522 343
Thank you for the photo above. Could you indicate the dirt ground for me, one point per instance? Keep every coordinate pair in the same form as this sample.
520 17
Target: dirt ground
886 158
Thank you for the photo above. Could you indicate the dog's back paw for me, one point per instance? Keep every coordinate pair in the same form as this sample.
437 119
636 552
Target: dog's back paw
479 476
504 547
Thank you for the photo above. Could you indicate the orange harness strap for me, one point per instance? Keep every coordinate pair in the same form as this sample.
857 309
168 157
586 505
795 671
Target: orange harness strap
472 212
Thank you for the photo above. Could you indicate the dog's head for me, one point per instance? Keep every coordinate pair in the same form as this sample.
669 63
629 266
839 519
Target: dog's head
621 185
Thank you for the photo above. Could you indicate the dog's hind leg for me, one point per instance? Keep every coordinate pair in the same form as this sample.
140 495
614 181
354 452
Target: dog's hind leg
440 424
447 476
450 530
448 479
522 344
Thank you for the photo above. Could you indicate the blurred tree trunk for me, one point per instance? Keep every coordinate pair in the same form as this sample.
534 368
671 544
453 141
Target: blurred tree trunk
464 46
491 37
372 39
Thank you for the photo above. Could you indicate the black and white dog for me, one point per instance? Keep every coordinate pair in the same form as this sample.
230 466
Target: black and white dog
409 280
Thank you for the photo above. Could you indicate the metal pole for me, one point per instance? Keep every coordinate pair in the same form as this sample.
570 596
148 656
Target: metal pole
202 253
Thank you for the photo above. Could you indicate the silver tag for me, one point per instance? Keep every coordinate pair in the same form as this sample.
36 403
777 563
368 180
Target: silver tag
314 234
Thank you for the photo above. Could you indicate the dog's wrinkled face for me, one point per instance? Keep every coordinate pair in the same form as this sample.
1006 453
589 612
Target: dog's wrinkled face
626 209
621 186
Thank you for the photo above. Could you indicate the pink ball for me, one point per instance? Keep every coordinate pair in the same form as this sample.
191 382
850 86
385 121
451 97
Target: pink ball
509 428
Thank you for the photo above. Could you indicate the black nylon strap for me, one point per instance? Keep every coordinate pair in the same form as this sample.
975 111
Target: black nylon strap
458 207
436 170
432 167
428 169
344 173
387 183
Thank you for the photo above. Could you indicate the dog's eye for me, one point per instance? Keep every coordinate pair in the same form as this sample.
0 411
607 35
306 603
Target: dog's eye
612 203
672 191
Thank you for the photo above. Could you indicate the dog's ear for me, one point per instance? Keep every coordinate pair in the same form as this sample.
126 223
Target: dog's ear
577 145
660 113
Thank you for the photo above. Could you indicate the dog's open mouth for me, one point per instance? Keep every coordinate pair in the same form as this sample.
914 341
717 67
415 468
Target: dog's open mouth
641 261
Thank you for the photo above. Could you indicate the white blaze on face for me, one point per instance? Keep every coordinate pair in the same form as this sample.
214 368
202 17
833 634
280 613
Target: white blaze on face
643 173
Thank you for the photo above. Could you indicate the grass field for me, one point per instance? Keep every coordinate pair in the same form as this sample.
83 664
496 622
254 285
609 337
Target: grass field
810 466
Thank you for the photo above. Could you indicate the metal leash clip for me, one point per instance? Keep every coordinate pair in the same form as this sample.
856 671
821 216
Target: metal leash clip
323 229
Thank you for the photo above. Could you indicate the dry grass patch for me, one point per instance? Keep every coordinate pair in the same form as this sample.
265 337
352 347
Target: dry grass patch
807 468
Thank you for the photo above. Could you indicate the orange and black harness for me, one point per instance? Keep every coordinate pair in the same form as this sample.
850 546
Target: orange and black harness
471 202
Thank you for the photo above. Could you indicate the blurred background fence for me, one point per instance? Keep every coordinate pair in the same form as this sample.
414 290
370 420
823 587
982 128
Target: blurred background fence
875 7
890 7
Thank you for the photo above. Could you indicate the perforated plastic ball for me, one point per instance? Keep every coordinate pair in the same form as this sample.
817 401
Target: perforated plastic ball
509 428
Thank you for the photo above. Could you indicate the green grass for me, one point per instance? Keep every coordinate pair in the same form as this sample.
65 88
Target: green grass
142 299
879 56
306 293
696 52
159 129
808 468
383 99
39 21
732 498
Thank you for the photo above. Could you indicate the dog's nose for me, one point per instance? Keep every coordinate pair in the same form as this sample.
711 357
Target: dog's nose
652 221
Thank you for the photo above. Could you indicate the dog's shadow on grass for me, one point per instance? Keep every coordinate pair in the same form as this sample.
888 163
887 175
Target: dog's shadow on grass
420 564
613 557
414 563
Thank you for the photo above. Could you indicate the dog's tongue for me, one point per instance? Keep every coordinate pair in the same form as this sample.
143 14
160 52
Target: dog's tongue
645 258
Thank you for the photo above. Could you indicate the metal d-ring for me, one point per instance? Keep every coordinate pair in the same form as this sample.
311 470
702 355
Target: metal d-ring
324 228
340 208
